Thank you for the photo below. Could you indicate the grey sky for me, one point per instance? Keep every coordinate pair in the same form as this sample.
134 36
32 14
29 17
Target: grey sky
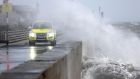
116 10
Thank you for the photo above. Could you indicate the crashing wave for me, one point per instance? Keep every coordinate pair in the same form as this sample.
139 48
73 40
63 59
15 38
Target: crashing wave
105 68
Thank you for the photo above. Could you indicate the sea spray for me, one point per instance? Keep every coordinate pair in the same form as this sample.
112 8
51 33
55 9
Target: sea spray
105 68
77 22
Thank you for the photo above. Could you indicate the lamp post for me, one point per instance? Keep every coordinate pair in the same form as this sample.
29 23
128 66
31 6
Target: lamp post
6 8
101 13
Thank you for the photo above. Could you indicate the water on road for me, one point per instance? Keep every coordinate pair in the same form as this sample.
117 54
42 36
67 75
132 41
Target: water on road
18 54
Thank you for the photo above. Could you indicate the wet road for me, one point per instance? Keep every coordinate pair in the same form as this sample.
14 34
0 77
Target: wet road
14 55
20 52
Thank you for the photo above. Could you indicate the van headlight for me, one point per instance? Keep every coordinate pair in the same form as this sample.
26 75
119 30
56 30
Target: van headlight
50 34
32 34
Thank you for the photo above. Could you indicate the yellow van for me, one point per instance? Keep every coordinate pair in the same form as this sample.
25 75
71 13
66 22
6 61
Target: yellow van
42 32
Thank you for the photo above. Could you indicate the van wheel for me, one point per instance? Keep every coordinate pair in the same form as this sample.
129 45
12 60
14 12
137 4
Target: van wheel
53 43
32 43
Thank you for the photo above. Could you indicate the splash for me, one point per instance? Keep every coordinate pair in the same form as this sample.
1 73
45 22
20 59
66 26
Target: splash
104 68
75 21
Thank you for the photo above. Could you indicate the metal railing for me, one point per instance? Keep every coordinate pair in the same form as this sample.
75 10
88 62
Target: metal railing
13 36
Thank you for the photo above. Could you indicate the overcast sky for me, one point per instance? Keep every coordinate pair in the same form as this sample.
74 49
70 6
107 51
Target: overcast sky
116 10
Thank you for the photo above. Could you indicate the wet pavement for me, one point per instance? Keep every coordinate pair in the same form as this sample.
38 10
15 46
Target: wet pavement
20 52
13 55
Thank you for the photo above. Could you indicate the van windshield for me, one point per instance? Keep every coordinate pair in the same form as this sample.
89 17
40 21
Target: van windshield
42 26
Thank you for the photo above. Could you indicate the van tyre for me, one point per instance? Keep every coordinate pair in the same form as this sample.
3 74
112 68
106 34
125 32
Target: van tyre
53 43
32 43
